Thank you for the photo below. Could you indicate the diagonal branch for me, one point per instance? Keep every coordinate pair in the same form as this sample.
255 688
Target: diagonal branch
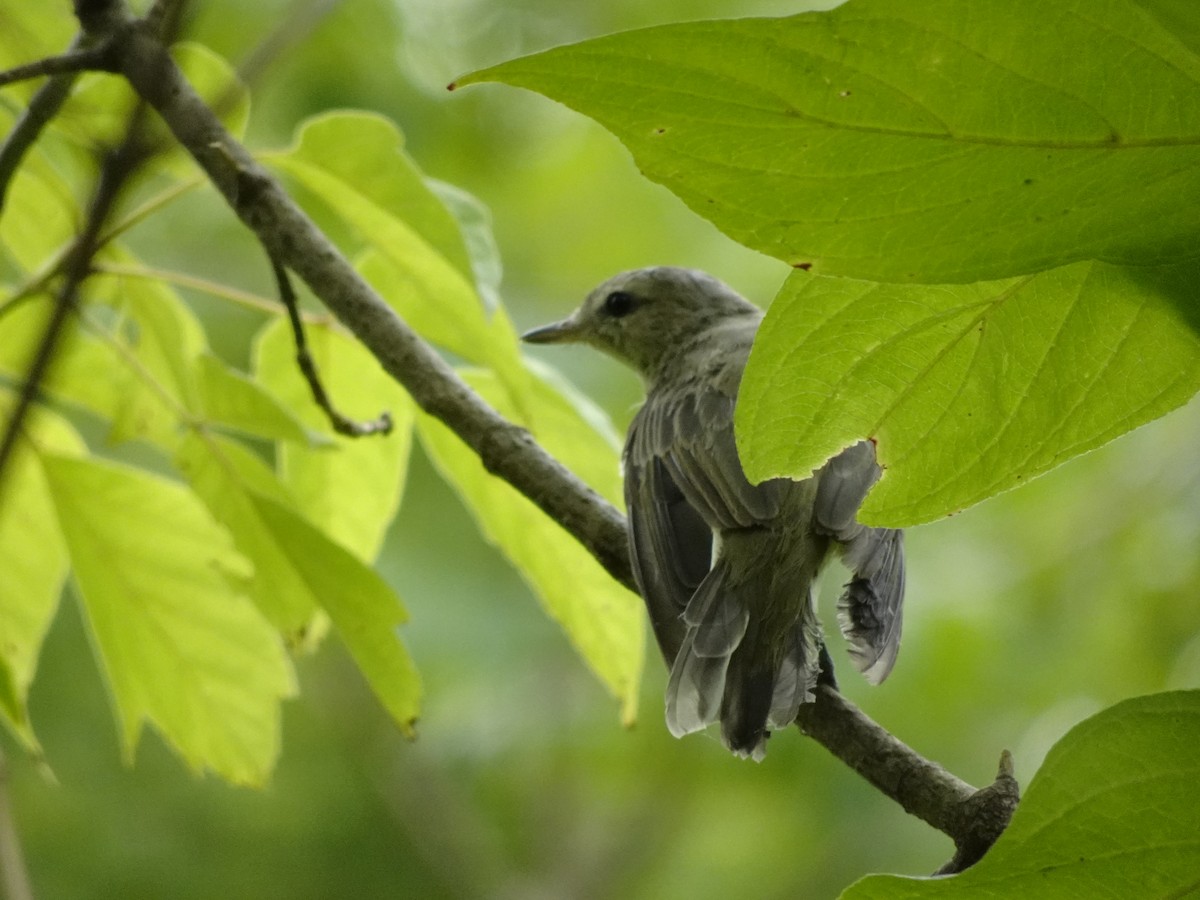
294 241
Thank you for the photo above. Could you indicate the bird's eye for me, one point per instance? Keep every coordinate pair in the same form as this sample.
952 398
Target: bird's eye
619 303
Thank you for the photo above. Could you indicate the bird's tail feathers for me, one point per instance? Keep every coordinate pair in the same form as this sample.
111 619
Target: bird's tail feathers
870 612
716 621
750 690
797 675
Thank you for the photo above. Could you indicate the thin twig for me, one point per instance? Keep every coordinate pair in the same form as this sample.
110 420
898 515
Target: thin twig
308 367
72 62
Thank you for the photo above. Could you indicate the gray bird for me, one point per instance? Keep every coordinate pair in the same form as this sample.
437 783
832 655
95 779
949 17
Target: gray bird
726 567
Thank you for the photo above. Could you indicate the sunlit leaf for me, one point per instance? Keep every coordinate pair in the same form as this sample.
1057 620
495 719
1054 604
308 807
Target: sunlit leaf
929 140
226 477
1113 812
366 152
415 255
475 222
99 108
158 340
33 560
353 487
969 390
299 568
40 216
180 644
465 329
27 33
364 610
234 400
129 355
601 618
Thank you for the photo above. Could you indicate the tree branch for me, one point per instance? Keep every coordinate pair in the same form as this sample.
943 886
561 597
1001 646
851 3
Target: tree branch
292 239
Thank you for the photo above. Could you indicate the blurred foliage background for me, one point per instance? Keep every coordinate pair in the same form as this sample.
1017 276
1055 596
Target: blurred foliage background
1025 614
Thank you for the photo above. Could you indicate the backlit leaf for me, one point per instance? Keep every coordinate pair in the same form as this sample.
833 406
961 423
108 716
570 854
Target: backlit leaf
1114 812
969 390
602 619
180 644
925 140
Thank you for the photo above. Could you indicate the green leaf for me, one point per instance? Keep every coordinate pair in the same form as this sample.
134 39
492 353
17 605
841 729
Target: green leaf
969 390
226 476
40 215
1113 812
130 355
181 645
118 370
155 340
352 487
364 610
415 255
33 560
923 140
475 222
99 108
29 34
299 568
365 151
465 329
601 618
229 398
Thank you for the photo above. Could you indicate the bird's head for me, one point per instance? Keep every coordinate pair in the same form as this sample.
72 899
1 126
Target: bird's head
643 316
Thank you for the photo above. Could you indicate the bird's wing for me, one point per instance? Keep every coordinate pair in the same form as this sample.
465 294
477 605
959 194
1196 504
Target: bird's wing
683 481
870 611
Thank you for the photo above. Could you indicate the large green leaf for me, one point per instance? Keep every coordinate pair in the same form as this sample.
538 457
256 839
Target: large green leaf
33 560
28 33
969 390
602 619
912 140
1114 812
181 645
226 477
231 399
155 340
40 215
364 610
299 568
415 256
352 487
365 151
87 371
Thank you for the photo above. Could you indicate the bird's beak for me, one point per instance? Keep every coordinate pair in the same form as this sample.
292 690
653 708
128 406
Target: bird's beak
563 331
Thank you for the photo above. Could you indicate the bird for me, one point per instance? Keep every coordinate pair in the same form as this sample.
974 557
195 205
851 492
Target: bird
726 567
